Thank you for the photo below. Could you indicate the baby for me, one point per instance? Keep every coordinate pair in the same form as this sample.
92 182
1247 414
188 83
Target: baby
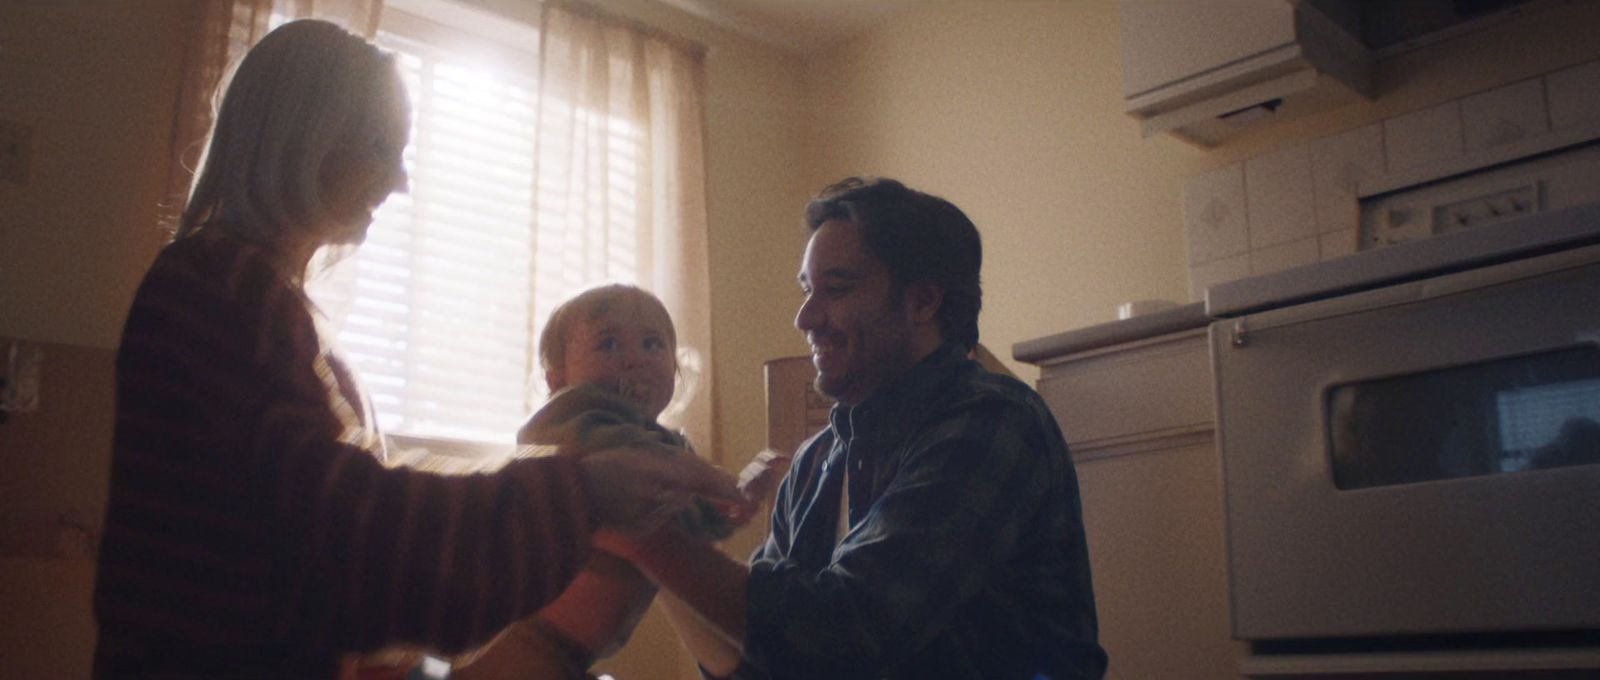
610 360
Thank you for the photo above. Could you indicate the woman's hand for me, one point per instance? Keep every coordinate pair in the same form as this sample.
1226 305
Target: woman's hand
638 489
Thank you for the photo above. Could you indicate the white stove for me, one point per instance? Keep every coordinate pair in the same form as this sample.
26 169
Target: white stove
1410 439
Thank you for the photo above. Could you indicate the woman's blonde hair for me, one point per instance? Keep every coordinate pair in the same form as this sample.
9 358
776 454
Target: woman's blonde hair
305 89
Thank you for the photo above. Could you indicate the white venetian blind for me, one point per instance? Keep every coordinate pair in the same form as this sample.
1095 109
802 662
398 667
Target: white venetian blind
437 310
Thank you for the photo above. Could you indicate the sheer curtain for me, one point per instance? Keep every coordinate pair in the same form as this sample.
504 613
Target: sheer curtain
609 90
618 163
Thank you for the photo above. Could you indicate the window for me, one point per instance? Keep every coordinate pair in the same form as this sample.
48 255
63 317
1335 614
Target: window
439 309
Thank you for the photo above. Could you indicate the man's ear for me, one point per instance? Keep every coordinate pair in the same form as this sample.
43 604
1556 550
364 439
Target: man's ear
923 300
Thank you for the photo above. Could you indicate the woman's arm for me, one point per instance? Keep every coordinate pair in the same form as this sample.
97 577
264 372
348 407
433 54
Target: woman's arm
718 657
702 588
599 611
241 508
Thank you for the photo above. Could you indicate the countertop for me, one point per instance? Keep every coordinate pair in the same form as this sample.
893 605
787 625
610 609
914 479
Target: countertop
1181 318
1526 237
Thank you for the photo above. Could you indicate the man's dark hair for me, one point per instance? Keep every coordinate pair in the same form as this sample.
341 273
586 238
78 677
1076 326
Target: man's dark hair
919 237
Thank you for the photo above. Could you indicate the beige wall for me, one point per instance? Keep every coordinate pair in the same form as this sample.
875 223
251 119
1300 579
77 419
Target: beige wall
1013 112
95 82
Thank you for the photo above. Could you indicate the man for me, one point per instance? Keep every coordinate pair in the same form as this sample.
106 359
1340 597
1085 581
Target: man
934 529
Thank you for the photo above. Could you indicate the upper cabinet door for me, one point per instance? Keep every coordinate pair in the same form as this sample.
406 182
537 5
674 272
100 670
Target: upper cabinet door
1207 70
1167 41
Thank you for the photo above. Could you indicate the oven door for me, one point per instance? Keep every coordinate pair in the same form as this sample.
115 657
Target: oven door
1417 459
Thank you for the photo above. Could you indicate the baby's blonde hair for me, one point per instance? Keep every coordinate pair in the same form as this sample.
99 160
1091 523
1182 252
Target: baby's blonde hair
587 306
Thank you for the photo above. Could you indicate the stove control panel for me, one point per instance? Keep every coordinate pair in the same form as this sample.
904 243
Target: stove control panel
1483 198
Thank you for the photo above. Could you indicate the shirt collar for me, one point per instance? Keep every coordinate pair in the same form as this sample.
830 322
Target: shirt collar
903 399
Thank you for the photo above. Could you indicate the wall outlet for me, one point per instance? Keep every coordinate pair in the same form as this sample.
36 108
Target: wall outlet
16 151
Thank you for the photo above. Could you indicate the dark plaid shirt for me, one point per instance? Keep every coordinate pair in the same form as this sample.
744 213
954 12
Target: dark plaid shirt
965 556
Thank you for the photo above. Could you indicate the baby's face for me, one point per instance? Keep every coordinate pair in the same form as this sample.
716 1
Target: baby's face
628 348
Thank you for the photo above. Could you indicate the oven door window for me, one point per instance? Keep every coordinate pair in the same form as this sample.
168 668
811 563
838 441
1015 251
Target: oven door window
1506 415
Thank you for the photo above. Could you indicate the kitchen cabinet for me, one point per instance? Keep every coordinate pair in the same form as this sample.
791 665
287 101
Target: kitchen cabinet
1138 418
1136 400
1207 70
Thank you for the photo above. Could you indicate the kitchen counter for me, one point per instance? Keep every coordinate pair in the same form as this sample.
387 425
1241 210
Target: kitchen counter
1181 318
1134 400
1360 271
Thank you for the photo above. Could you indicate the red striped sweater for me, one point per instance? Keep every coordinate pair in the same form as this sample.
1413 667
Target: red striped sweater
249 534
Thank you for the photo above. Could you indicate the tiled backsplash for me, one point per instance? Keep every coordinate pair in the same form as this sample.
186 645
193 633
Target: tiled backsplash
1301 205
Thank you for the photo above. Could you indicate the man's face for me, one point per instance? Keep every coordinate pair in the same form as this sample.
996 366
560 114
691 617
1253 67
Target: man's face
855 322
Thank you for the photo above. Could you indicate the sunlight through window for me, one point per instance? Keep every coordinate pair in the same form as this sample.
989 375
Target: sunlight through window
439 310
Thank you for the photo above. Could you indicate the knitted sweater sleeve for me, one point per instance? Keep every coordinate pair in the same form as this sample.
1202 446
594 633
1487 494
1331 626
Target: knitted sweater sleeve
240 518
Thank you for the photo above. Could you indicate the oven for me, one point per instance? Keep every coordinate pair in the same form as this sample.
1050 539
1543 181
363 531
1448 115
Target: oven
1410 443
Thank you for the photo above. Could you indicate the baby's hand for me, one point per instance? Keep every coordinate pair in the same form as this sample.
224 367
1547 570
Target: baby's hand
636 490
757 481
762 475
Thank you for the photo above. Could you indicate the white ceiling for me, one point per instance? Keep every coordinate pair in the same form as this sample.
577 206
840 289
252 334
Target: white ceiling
801 26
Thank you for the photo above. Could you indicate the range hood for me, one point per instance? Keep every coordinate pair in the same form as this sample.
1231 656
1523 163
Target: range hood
1207 70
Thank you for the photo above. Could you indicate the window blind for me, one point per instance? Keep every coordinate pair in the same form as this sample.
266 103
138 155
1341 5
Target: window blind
433 310
515 204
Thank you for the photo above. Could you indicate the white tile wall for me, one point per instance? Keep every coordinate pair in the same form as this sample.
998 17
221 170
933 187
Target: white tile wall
1574 95
1300 205
1338 163
1338 243
1504 115
1203 276
1283 256
1277 187
1214 215
1428 137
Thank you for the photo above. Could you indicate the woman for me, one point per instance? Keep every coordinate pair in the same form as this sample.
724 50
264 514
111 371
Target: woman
252 529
